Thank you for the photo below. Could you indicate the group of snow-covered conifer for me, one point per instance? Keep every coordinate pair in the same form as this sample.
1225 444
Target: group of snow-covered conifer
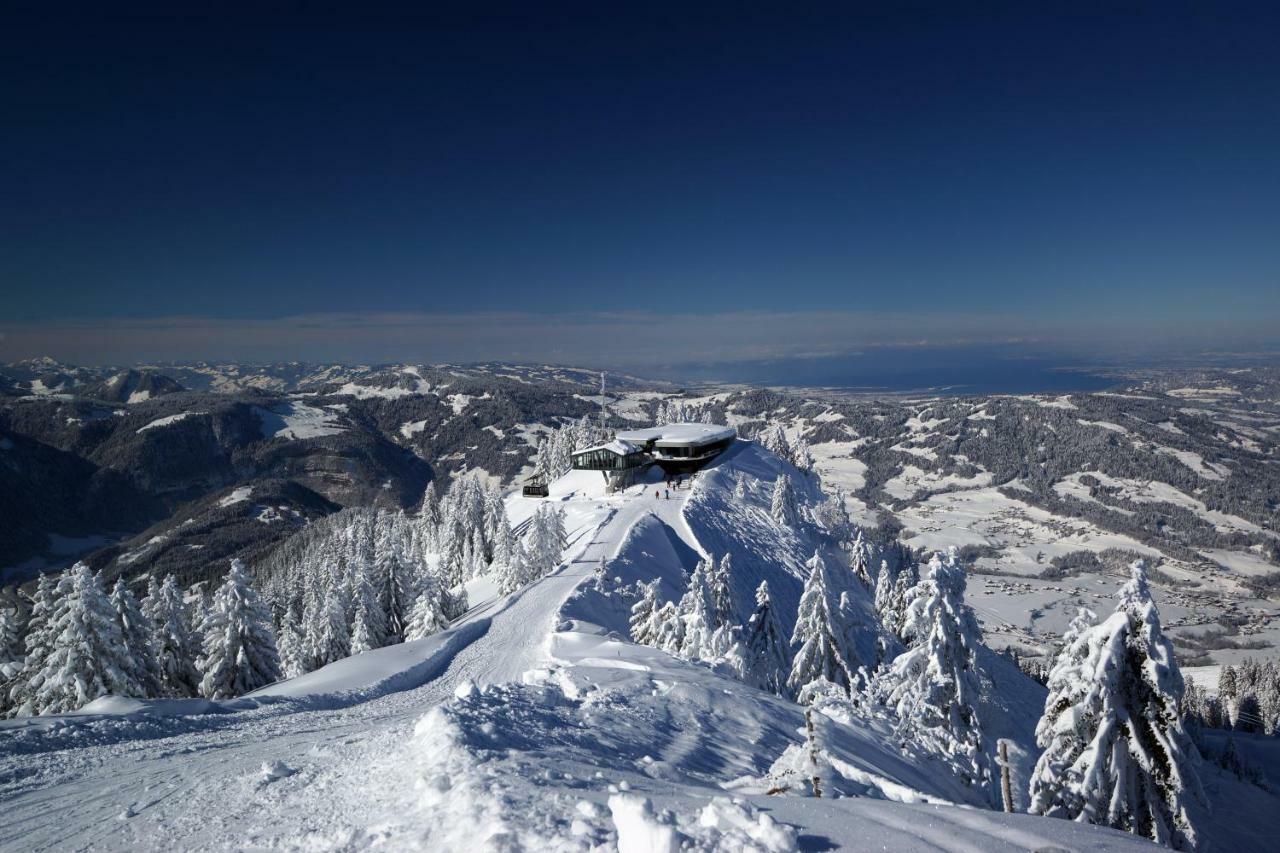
365 578
83 642
1116 749
354 581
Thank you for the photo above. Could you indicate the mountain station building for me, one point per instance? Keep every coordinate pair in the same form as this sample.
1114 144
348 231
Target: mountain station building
676 448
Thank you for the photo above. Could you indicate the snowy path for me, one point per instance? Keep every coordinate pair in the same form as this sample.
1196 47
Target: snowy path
198 781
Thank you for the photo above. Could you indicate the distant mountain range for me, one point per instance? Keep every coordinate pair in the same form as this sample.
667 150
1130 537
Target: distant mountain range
176 468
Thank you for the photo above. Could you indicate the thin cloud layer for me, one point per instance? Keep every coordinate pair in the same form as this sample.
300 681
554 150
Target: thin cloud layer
617 339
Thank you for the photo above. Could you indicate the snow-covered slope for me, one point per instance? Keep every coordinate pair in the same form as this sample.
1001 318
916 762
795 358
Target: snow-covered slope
533 723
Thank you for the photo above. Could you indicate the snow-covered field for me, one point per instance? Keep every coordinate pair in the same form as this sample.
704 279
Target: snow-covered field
167 421
532 723
296 420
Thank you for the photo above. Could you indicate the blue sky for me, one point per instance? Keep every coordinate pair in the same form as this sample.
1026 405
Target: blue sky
1084 177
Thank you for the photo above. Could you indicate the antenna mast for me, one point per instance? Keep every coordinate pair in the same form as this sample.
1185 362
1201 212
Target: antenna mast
604 412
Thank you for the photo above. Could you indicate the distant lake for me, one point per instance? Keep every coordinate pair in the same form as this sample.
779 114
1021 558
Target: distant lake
951 371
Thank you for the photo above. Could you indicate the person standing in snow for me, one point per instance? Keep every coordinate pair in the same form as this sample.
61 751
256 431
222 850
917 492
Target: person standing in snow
667 492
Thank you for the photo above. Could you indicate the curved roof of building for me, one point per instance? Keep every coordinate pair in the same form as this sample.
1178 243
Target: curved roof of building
678 435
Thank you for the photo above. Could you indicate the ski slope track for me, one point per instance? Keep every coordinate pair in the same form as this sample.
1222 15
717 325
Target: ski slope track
532 723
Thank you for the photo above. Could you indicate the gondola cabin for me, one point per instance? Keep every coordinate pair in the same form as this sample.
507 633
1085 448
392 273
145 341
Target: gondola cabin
536 487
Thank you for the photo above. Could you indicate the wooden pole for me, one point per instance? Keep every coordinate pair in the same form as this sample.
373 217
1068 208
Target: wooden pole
1006 788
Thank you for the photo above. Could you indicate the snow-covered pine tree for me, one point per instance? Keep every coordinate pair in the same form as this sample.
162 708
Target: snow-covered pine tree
542 459
392 582
783 506
328 634
473 500
860 559
1269 697
494 511
454 603
1115 750
824 656
832 515
503 538
1228 692
726 638
10 639
513 572
171 638
643 623
1249 715
468 558
198 598
884 588
88 657
669 628
730 648
429 511
559 534
767 657
477 566
546 543
150 600
38 642
1211 713
933 687
368 622
291 646
801 456
740 487
774 440
539 549
893 607
723 612
450 543
11 654
697 612
428 614
239 646
1192 710
136 630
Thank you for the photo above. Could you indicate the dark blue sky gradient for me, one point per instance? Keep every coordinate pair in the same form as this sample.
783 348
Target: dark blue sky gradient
1062 164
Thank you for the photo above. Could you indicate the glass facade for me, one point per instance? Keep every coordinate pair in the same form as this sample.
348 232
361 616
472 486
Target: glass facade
692 452
601 459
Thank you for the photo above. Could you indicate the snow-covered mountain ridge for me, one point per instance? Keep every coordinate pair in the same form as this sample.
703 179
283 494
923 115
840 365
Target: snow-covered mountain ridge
533 723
